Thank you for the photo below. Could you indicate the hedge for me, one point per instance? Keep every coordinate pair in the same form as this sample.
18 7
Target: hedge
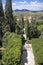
37 45
12 52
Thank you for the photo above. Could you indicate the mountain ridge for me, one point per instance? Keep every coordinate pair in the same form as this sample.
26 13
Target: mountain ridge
26 10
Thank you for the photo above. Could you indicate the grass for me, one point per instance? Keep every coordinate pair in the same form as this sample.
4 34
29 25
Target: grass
37 45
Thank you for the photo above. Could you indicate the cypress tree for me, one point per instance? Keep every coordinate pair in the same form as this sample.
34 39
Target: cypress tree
9 15
22 21
27 27
1 9
1 21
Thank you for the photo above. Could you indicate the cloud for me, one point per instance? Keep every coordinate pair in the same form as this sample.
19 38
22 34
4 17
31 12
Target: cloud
27 5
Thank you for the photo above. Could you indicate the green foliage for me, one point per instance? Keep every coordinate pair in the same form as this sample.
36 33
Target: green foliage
37 49
0 54
12 52
2 22
27 27
32 30
1 19
9 15
41 36
5 38
19 27
1 9
40 21
34 33
40 27
15 21
22 21
19 30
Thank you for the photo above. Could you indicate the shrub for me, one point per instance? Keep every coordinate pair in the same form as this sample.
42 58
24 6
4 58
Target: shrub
40 27
38 50
12 52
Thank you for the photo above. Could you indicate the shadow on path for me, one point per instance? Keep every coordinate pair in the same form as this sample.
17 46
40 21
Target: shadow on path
24 52
23 40
24 57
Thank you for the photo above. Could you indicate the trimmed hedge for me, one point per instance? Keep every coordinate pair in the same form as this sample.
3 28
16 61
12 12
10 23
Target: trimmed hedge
12 52
40 22
40 27
38 50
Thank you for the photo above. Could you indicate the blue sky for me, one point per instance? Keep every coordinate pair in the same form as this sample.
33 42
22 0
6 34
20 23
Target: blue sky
25 0
26 4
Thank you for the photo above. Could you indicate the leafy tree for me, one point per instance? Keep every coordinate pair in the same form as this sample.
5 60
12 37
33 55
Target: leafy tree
9 15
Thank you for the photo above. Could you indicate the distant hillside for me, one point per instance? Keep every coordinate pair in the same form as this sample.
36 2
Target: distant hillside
26 10
23 10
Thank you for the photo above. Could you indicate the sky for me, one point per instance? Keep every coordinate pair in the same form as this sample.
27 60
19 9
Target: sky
34 5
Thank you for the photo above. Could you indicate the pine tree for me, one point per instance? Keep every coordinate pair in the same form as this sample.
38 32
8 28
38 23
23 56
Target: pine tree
9 15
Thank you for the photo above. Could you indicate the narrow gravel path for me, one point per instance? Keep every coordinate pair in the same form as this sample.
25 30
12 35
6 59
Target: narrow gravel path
27 56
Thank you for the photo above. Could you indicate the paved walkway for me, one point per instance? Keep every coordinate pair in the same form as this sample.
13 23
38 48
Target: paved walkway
27 56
